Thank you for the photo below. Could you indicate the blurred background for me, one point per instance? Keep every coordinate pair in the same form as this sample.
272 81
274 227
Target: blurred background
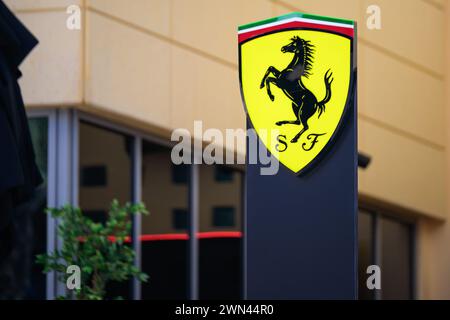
103 99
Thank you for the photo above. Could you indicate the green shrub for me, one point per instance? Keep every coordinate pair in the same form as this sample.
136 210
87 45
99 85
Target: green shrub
99 249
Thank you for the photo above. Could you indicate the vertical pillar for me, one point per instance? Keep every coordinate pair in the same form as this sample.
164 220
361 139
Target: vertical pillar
301 231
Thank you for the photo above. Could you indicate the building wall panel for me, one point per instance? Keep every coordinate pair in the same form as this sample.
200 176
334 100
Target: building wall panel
402 171
52 72
127 71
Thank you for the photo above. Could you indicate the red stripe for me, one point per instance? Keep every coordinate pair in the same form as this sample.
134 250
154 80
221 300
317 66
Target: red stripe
181 236
185 236
167 236
296 24
219 234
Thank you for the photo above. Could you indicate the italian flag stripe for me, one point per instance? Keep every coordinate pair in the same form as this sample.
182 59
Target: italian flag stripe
296 20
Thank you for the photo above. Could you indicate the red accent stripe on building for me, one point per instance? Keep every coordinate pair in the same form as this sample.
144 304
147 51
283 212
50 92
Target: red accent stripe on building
296 24
164 237
219 234
183 236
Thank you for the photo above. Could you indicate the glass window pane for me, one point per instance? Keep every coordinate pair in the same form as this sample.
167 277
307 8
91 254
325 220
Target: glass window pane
365 259
224 216
220 233
395 260
165 231
39 136
180 174
105 167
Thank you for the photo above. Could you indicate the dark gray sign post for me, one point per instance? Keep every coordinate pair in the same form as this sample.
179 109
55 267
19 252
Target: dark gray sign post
301 226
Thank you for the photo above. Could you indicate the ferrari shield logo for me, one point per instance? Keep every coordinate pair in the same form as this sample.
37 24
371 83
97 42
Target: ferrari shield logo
296 74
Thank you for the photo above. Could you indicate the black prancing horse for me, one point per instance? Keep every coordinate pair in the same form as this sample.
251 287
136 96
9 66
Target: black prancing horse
304 102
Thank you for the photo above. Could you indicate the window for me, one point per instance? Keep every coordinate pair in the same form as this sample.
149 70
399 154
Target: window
180 173
387 242
223 174
104 151
365 254
94 176
396 259
106 170
96 215
220 233
180 219
223 216
164 239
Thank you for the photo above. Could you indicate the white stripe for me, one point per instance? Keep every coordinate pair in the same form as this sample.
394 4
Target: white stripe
296 19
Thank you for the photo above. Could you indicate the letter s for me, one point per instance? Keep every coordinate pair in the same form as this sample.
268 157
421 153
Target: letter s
281 141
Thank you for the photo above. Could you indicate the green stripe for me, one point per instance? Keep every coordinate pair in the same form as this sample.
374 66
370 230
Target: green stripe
294 15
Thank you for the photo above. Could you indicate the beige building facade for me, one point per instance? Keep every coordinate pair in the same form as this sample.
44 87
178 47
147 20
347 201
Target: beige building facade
158 65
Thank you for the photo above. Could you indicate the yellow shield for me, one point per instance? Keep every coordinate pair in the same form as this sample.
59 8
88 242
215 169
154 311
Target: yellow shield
296 75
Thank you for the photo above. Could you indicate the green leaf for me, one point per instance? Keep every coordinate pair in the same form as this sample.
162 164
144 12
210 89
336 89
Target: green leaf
86 244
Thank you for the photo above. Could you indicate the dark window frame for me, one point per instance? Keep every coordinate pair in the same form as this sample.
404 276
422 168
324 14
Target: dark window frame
223 174
94 176
376 215
176 213
180 174
220 210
